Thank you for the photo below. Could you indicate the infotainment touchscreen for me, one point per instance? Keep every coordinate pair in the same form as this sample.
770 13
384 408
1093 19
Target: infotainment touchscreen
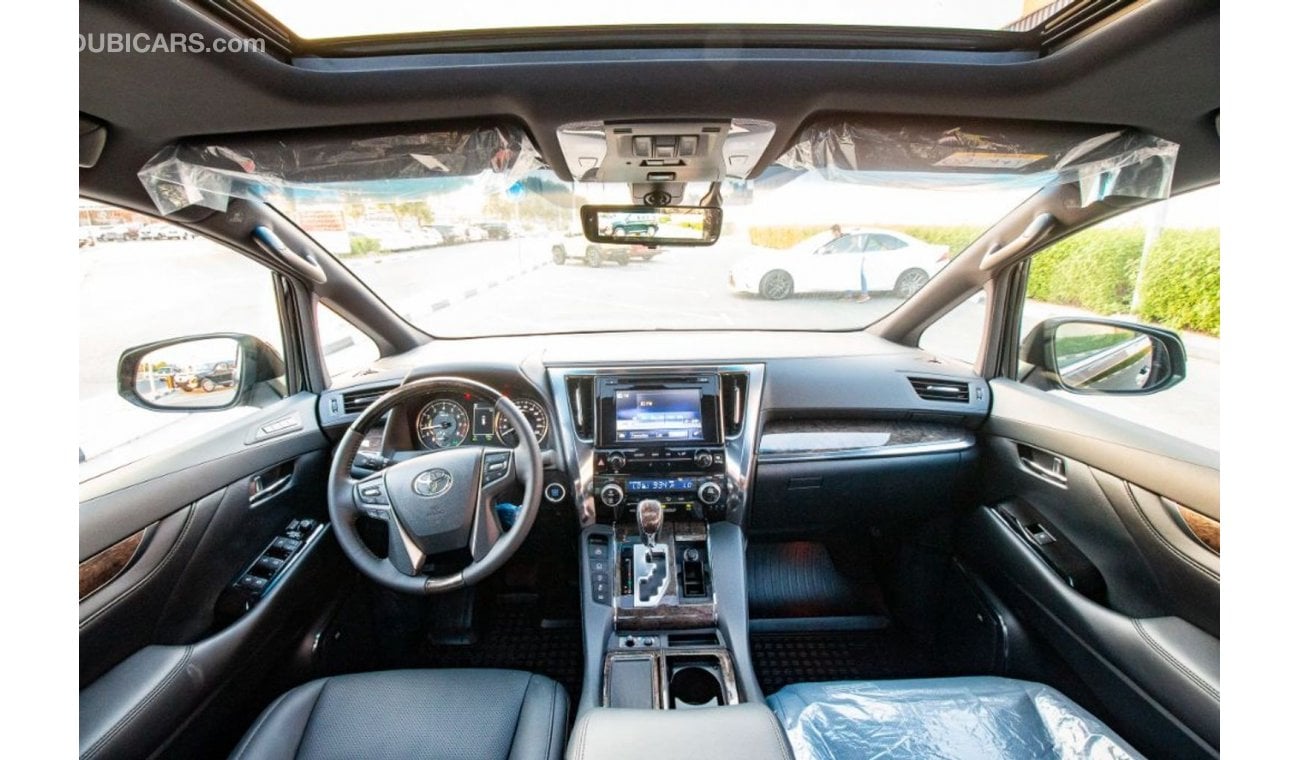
658 415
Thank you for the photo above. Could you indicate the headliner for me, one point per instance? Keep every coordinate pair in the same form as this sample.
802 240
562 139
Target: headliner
1156 68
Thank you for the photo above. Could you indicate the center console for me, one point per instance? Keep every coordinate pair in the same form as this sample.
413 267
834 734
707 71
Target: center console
665 463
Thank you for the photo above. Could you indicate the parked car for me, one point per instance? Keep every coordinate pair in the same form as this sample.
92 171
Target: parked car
207 377
576 246
161 231
451 234
116 233
501 230
634 229
892 262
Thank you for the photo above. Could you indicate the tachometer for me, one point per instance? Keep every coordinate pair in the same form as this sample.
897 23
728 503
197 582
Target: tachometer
537 420
442 425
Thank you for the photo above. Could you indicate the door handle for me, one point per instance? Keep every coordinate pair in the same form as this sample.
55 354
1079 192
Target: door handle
1042 464
268 483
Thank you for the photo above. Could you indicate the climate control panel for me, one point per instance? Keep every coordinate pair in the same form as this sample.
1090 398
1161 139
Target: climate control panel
684 494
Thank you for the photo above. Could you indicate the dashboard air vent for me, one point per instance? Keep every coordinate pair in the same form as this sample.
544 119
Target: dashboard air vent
931 389
735 390
355 402
582 401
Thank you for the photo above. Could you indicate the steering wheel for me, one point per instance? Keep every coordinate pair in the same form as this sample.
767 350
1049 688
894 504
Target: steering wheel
435 502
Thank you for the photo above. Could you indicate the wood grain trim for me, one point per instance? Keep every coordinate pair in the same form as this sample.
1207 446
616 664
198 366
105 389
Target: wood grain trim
97 571
1206 529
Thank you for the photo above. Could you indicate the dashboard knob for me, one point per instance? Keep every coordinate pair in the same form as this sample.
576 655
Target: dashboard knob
703 459
616 460
709 493
611 494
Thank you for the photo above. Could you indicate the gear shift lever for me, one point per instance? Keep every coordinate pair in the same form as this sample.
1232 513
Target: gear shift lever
650 560
649 519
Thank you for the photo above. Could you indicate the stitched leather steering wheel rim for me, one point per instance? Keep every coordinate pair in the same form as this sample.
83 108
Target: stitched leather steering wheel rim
436 500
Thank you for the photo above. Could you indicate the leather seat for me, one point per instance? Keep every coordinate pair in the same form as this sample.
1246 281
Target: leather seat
478 714
971 718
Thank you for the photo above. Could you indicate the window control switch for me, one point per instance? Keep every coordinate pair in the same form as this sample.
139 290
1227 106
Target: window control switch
269 565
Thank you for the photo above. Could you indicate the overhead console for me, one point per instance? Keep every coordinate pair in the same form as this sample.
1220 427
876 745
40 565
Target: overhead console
656 153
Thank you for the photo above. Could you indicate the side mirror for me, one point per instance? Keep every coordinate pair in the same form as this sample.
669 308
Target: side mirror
196 373
1102 356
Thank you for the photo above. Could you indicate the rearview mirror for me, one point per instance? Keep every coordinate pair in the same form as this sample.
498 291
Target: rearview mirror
652 225
1103 356
196 373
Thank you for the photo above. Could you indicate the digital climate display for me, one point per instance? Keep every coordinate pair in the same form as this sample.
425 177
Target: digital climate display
658 415
661 484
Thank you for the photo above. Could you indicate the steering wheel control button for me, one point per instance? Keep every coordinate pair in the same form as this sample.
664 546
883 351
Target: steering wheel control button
372 492
496 466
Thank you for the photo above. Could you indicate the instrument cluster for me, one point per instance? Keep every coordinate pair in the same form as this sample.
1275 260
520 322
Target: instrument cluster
449 420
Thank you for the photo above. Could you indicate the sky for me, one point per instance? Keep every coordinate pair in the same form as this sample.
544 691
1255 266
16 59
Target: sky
317 19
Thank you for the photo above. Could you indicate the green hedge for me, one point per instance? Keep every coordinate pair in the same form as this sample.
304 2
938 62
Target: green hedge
956 238
360 244
1094 269
1180 287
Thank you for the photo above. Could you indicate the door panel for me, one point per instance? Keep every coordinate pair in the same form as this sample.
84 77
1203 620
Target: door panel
156 644
1082 538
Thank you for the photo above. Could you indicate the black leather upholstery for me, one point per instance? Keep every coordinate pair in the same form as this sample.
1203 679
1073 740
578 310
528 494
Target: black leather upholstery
463 714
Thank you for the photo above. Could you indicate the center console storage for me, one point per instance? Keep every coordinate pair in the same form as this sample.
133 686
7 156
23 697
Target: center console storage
663 672
738 732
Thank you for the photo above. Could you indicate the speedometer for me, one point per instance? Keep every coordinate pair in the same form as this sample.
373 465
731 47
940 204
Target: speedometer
442 425
537 420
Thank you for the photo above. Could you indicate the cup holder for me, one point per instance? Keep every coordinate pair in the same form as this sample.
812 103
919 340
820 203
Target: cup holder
695 686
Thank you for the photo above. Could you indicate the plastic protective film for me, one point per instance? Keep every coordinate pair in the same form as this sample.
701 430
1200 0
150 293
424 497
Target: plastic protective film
934 155
209 174
942 719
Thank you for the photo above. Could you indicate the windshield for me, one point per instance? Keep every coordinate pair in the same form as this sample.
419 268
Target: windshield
464 260
461 257
468 232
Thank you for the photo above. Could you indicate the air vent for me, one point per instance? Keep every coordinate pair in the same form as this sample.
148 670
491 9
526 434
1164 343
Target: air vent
355 402
940 390
582 401
735 389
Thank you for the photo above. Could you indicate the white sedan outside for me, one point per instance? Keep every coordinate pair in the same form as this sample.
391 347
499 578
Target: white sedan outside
892 262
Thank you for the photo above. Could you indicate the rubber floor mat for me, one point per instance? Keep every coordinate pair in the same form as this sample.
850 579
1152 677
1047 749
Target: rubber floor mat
786 658
512 637
798 579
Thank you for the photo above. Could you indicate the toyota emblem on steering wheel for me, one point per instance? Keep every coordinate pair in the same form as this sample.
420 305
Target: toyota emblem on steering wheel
432 483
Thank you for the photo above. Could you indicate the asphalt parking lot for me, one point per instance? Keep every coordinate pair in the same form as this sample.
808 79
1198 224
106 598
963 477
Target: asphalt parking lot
145 290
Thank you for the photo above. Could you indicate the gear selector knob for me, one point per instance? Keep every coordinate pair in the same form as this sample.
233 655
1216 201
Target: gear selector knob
649 519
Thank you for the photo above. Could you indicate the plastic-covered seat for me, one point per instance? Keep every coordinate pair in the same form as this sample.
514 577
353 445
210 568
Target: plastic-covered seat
941 719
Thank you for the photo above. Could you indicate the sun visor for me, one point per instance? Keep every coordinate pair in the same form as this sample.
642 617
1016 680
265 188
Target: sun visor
209 173
934 155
